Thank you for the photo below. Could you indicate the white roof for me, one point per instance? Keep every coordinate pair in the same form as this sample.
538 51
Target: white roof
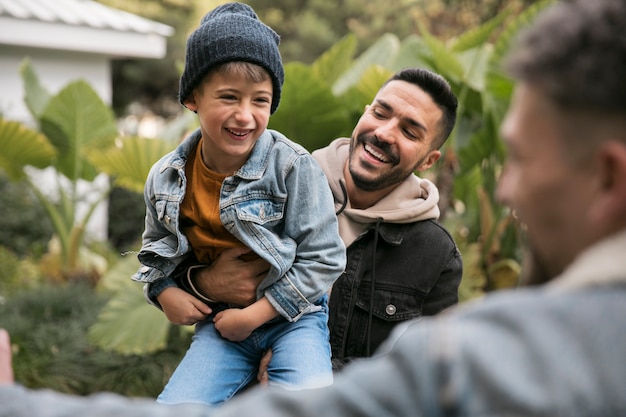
80 25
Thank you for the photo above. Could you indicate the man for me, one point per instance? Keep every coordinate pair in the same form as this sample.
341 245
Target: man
402 264
555 349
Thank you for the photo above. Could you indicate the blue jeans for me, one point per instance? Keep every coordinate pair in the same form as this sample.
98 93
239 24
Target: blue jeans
214 369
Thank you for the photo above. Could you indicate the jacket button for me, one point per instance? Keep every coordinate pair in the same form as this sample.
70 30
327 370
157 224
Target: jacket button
390 309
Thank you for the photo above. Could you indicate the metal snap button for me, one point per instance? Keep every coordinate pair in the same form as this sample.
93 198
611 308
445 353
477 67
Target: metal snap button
390 309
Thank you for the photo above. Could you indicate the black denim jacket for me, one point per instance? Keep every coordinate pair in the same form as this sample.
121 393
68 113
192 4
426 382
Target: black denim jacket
417 270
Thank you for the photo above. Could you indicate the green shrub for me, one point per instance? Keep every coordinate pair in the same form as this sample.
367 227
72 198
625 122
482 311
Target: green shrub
13 273
48 327
25 227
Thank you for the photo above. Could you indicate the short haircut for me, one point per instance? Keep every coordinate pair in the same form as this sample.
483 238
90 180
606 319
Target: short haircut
575 53
248 70
441 93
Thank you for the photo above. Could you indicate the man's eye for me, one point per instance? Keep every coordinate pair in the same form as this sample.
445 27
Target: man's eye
378 114
409 134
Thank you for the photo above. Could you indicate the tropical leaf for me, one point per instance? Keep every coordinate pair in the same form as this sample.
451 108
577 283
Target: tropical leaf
22 146
363 92
476 65
383 53
512 29
75 120
410 54
444 61
309 112
36 96
130 162
479 36
480 147
127 324
334 62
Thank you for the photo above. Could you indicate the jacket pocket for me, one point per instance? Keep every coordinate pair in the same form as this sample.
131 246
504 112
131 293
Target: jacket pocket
260 211
391 303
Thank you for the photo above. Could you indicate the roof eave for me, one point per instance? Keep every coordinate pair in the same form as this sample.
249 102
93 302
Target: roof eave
52 35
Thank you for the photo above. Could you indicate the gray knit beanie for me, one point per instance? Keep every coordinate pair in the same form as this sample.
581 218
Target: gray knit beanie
231 32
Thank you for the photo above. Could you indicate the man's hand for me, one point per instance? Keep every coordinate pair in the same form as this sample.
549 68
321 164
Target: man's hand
262 376
182 308
6 366
230 279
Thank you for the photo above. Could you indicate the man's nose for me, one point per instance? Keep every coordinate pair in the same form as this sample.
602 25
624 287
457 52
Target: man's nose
387 131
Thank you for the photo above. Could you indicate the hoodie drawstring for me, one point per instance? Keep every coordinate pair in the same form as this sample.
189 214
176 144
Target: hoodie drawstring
345 198
371 310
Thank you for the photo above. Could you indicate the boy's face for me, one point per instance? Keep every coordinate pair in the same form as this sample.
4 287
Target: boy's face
233 112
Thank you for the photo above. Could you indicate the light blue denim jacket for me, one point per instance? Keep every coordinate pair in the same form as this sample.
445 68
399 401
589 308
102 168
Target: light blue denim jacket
278 204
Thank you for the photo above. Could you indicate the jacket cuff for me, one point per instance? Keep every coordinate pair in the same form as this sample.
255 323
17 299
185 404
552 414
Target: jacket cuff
153 289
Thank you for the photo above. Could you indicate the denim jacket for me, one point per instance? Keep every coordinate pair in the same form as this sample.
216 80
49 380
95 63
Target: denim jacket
278 204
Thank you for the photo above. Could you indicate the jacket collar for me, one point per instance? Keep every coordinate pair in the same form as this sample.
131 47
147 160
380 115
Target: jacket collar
253 168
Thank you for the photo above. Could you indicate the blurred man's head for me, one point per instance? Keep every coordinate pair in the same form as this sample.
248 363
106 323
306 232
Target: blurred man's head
565 131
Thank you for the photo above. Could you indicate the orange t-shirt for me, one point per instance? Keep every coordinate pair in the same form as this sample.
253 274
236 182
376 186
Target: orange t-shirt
200 210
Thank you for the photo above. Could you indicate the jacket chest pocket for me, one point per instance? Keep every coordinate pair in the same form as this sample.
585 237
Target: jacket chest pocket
260 211
391 304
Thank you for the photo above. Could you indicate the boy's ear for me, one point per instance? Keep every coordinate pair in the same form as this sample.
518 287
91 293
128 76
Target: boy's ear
190 102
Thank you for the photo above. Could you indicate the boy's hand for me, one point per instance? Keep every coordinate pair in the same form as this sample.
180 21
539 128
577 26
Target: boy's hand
234 324
182 308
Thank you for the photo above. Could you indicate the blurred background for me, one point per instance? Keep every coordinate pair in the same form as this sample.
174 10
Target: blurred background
89 103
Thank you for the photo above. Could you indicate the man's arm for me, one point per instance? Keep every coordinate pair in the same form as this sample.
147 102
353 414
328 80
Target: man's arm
230 279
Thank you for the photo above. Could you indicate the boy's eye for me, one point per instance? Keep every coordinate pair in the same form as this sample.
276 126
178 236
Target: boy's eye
228 97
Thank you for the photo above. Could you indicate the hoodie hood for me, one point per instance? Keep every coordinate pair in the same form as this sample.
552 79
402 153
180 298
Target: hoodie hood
413 200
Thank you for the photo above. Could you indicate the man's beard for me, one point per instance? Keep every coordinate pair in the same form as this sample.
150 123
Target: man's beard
392 177
534 269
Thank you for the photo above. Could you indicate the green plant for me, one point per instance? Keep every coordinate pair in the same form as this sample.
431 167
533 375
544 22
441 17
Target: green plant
69 122
48 327
25 227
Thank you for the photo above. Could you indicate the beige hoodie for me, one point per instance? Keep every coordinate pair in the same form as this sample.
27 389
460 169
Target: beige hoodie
413 200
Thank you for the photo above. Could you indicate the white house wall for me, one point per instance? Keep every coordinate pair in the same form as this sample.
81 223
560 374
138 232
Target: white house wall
55 70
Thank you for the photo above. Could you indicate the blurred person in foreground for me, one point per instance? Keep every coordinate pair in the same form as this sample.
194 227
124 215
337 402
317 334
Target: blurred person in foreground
556 348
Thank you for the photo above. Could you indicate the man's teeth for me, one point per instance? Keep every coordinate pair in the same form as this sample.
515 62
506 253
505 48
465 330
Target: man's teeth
377 155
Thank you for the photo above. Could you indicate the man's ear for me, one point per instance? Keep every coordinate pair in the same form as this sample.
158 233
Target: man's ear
430 160
611 198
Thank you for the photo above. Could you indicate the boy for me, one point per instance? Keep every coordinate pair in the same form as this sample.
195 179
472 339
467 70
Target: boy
233 184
